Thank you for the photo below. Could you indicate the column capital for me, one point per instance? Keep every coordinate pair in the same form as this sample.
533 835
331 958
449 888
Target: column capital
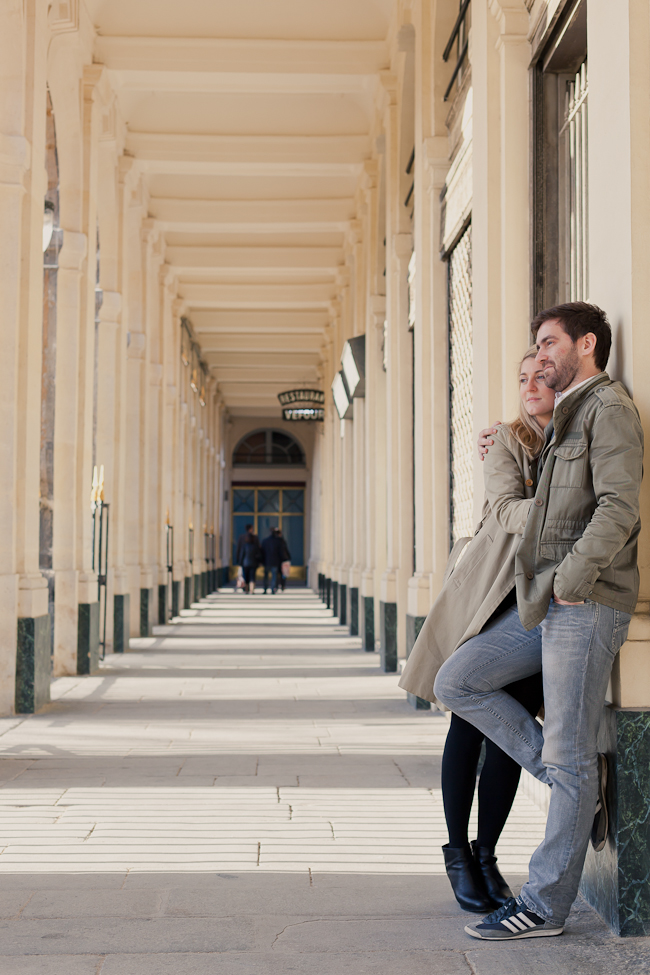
388 82
73 251
136 343
110 307
402 245
377 308
15 157
63 17
91 77
512 17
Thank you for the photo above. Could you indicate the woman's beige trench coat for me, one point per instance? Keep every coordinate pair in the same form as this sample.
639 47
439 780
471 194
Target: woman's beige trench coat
475 585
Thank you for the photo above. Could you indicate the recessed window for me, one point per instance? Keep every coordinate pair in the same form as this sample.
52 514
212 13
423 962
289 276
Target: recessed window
268 448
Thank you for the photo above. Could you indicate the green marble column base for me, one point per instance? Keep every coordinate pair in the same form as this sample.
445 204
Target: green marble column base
369 623
88 638
162 604
205 583
187 592
335 598
615 881
354 611
388 636
328 593
343 605
121 628
33 663
413 627
146 611
176 597
321 586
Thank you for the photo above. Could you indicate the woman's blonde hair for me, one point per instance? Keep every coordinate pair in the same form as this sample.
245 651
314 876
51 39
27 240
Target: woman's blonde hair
526 429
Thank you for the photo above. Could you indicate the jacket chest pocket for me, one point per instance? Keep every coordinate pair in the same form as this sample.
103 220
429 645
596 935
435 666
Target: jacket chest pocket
570 465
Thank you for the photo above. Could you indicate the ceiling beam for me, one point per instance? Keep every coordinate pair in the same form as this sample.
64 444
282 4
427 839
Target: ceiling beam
260 321
277 359
267 345
262 216
252 168
192 258
260 150
242 56
216 81
252 296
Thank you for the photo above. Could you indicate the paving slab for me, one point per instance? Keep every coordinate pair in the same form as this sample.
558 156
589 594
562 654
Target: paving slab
53 964
276 963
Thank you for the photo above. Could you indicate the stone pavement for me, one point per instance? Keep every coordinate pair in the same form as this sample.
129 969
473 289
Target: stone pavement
245 793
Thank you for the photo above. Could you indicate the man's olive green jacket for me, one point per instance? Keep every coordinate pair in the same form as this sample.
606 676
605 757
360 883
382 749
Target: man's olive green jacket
580 539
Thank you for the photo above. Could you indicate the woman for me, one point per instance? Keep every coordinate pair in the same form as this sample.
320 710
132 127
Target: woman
249 555
478 586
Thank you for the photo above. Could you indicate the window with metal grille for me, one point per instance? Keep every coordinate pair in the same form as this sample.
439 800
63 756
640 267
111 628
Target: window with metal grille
573 136
560 173
458 44
461 485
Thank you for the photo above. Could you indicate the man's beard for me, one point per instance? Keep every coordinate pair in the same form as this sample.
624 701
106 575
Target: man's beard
564 371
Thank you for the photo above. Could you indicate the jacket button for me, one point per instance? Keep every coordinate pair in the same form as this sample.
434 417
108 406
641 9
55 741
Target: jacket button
529 482
539 502
565 409
530 575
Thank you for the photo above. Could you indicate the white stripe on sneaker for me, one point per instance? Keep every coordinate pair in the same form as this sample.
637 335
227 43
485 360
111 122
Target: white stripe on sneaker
526 919
515 920
511 927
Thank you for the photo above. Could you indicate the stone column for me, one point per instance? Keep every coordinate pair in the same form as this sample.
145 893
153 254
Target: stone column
108 377
375 472
68 507
399 473
23 600
615 880
429 293
487 228
32 657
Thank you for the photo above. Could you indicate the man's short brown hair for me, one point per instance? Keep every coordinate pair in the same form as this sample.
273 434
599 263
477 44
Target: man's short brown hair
578 318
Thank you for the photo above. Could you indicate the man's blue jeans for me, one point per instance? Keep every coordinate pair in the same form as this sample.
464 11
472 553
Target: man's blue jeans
575 647
273 569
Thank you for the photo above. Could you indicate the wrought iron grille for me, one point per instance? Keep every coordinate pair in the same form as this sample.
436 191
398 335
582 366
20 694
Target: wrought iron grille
459 284
459 39
574 133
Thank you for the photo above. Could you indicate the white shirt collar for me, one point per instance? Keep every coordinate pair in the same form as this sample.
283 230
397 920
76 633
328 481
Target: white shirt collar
572 389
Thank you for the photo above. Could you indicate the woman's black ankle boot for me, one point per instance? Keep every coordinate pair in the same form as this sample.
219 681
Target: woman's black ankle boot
466 880
496 887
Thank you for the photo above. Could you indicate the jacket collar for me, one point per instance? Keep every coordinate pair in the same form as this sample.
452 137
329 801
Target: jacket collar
566 408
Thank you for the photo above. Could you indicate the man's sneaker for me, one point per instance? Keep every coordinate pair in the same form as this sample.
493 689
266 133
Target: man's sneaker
512 920
600 827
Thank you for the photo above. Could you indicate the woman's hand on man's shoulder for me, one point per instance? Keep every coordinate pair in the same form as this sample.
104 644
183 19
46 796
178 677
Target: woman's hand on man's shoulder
484 441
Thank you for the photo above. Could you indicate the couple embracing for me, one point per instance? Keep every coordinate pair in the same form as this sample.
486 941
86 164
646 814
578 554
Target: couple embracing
533 610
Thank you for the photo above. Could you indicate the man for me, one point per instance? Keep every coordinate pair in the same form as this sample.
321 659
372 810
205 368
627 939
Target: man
272 552
240 555
285 560
577 585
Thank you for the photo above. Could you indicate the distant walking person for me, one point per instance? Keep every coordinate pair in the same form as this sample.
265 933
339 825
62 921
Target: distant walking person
285 564
249 556
272 553
275 552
